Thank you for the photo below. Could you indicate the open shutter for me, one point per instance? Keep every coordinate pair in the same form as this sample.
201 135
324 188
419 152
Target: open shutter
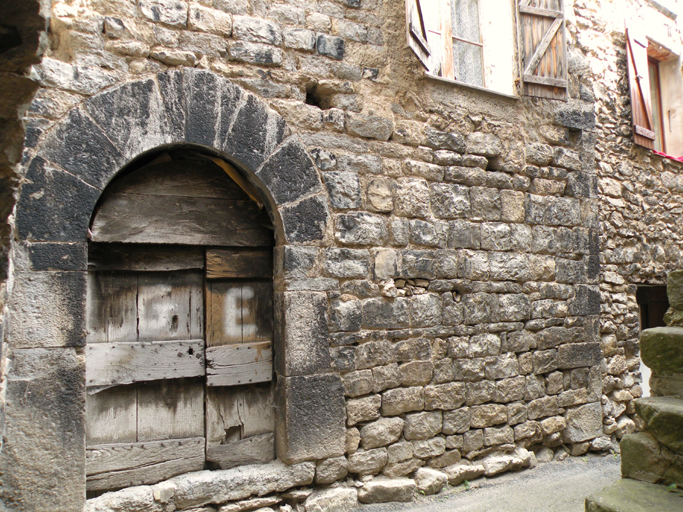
543 48
424 32
639 82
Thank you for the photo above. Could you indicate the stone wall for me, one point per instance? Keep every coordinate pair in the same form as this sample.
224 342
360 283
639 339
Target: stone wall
458 288
640 200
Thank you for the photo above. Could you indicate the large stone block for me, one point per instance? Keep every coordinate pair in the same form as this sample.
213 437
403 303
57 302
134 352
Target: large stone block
79 147
332 500
289 174
381 433
583 423
382 490
380 313
256 132
663 417
301 344
400 400
306 221
361 228
347 263
485 144
644 458
661 349
256 30
674 289
203 487
54 205
422 425
363 409
577 355
58 256
368 462
344 189
47 309
411 197
43 453
310 420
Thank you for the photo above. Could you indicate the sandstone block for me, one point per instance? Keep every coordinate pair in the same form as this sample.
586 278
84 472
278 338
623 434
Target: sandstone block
449 201
430 481
340 499
663 418
299 39
346 316
361 229
661 349
381 433
485 144
456 422
331 470
363 409
488 415
458 473
583 423
358 383
495 436
386 377
473 440
429 448
422 425
416 373
575 355
368 462
209 20
444 396
398 401
383 490
256 30
375 353
411 197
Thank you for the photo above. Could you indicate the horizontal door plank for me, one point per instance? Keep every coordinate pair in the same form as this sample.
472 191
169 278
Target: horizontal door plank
144 218
233 365
235 263
145 257
113 466
111 364
257 449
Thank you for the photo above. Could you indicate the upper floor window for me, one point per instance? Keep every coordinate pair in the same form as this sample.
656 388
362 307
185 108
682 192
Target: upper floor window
656 93
474 42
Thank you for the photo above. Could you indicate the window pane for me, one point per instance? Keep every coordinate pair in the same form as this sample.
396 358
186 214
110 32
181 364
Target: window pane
468 63
465 20
653 69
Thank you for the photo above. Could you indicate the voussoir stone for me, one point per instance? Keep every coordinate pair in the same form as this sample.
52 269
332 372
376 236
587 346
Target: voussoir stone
202 487
383 490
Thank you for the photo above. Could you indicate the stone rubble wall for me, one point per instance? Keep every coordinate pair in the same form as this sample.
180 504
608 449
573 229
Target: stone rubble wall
640 200
459 285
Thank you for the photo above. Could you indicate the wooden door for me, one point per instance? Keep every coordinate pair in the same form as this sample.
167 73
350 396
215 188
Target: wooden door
239 357
145 372
179 345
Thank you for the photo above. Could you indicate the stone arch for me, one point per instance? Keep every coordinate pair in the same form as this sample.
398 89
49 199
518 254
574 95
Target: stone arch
83 152
69 167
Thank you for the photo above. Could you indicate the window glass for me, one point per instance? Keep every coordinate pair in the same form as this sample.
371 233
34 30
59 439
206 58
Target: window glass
468 61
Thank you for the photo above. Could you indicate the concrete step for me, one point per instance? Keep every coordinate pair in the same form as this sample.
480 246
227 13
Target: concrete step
632 496
663 417
646 459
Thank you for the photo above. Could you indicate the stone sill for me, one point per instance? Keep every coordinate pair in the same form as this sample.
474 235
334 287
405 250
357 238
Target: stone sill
470 86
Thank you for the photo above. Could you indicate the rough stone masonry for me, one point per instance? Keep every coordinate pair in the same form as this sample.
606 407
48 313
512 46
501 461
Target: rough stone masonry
455 269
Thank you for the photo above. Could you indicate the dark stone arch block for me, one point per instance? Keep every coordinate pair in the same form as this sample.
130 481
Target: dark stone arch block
306 221
54 206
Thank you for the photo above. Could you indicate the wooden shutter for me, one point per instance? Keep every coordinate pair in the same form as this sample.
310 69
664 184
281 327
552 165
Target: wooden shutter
416 32
543 48
639 82
239 357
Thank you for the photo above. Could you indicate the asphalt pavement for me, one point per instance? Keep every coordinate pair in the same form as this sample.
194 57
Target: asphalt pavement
549 487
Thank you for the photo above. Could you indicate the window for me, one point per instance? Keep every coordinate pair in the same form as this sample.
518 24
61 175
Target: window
656 93
473 42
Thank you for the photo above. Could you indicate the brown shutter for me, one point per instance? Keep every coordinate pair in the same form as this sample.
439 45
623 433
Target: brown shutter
641 102
416 32
543 48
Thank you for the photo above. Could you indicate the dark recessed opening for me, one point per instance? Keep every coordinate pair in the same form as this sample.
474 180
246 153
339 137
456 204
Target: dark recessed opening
653 303
313 96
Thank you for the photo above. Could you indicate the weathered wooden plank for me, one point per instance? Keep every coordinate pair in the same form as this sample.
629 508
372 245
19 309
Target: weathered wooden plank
545 80
111 307
165 309
161 219
170 409
241 311
233 365
109 364
239 263
111 416
113 466
190 178
257 449
151 257
241 412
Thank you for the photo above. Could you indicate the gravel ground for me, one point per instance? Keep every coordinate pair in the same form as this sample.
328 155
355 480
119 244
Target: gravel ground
551 487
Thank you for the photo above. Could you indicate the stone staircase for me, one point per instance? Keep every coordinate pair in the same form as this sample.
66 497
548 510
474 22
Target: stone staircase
652 460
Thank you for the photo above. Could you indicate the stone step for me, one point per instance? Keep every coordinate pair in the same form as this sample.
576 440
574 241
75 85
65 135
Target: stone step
644 458
663 417
633 496
661 349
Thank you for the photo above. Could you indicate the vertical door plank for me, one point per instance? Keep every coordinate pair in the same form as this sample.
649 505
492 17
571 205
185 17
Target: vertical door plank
165 311
171 409
238 412
226 313
111 307
111 416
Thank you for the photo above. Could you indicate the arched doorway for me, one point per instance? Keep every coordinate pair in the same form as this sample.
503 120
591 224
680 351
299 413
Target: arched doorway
180 323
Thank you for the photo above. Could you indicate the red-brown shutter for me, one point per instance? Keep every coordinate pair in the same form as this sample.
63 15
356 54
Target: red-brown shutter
641 101
417 33
543 48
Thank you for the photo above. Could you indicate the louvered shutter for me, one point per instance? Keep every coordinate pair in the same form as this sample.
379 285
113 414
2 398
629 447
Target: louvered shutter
543 48
641 101
423 27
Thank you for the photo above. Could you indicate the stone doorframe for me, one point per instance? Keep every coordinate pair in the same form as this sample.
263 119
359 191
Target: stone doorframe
42 462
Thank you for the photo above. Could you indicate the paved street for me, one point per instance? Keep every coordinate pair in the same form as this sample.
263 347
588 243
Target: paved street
551 487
